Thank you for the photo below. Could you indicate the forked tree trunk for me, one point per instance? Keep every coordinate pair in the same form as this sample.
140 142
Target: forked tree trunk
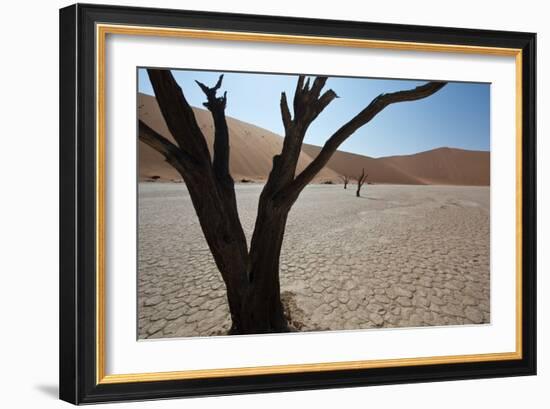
250 276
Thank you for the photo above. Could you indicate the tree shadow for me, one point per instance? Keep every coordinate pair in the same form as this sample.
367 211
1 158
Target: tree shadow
369 198
49 390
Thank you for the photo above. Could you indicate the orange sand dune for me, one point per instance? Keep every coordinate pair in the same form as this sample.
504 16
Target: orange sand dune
253 148
442 166
351 165
445 166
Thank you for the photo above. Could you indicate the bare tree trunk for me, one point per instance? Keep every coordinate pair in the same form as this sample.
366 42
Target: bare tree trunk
360 182
263 304
251 276
264 310
345 179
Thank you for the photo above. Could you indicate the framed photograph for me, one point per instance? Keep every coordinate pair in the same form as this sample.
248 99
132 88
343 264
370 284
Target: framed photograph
257 203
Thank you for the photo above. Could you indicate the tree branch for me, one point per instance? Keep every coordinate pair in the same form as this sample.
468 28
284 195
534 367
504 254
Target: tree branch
317 86
348 129
179 115
285 112
173 155
307 103
307 106
216 105
362 178
213 102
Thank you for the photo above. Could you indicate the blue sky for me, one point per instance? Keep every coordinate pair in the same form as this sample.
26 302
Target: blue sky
457 116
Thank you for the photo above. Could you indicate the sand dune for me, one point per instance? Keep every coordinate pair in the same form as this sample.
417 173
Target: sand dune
351 164
442 166
445 166
253 148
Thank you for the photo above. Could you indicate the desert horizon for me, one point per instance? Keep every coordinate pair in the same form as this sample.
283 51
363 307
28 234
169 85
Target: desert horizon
252 150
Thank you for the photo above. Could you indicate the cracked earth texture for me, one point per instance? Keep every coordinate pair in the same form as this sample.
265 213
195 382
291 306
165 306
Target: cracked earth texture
400 256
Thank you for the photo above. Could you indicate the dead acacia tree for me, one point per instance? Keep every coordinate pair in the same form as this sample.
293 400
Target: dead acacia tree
251 275
345 179
360 181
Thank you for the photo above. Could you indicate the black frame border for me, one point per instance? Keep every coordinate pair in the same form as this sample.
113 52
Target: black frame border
77 285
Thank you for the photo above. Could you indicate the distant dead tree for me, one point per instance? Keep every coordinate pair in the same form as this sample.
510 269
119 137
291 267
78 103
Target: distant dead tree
345 179
251 275
360 180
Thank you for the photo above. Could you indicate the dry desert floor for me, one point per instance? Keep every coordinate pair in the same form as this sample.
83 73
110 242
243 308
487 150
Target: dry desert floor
400 256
